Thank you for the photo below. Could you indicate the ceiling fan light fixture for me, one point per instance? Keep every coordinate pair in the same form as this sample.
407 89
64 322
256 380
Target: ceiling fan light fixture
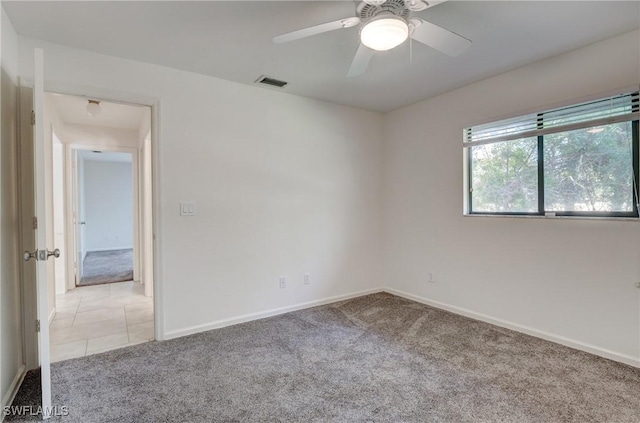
93 108
384 33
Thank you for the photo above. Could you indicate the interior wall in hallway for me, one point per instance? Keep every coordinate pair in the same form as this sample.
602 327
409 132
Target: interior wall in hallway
108 205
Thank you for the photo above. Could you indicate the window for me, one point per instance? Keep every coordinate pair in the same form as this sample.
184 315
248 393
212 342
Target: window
580 160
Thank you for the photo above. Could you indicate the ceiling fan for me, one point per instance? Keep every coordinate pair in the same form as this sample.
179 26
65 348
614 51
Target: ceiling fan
386 25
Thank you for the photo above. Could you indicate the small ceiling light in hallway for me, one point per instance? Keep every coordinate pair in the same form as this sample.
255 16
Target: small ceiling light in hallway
93 108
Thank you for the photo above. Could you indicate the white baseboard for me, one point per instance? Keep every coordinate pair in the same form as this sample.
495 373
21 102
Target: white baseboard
52 314
612 355
263 314
592 349
7 399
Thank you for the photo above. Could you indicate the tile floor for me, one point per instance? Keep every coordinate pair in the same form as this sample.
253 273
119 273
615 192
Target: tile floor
93 319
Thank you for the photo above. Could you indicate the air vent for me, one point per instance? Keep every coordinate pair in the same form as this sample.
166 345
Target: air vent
270 81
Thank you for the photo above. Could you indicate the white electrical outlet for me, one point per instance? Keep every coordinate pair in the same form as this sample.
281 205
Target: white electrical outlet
283 282
307 278
432 279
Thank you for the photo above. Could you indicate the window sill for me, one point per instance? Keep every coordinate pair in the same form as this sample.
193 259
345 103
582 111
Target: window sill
524 216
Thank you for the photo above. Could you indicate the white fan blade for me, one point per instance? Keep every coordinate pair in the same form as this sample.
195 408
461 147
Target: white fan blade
420 5
360 61
439 38
318 29
431 3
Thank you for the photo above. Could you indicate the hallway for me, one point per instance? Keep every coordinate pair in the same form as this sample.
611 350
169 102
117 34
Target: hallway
100 318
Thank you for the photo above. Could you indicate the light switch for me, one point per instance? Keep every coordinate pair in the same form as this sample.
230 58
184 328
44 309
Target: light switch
187 208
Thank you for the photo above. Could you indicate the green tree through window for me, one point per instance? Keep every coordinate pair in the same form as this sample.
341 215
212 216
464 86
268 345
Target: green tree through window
505 176
589 169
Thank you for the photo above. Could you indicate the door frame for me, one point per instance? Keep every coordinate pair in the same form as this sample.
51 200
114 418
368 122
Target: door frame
71 200
63 243
30 352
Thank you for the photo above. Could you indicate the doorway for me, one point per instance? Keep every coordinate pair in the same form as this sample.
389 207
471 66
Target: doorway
105 211
101 206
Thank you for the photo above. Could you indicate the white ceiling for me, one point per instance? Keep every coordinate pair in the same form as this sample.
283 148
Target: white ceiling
72 109
232 40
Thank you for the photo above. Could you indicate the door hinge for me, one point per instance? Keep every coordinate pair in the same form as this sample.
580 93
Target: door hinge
33 117
35 222
38 325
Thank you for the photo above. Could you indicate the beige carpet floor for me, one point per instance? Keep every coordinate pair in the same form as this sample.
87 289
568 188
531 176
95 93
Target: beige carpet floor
377 358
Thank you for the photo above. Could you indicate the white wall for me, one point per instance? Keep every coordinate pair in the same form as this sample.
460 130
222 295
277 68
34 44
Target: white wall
11 357
283 186
108 202
100 137
568 278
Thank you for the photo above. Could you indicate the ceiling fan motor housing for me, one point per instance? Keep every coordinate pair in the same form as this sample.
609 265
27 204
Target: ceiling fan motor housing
367 11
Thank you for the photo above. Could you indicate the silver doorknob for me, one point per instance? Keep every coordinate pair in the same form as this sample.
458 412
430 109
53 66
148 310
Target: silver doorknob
28 256
55 253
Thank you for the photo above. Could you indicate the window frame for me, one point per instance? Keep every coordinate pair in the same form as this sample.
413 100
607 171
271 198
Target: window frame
635 151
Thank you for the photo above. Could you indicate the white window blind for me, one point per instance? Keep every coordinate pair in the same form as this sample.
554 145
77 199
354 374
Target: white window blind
615 109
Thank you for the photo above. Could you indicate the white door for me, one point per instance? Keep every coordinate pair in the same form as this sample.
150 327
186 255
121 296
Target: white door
41 254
